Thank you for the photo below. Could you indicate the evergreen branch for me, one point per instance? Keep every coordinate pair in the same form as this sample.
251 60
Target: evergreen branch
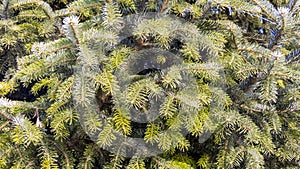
293 56
6 4
4 64
255 49
235 31
55 107
286 76
45 6
103 36
39 69
62 47
164 5
106 81
206 7
30 164
152 132
87 160
64 90
117 158
274 37
58 124
25 132
269 9
41 50
65 12
252 70
199 67
235 39
75 7
254 127
106 136
136 163
242 106
49 157
168 107
255 158
122 121
245 84
111 17
287 110
242 6
291 4
93 123
4 124
84 4
236 156
32 14
259 16
66 156
6 115
8 104
74 34
222 156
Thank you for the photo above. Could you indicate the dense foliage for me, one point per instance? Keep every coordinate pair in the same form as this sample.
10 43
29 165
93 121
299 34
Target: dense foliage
60 68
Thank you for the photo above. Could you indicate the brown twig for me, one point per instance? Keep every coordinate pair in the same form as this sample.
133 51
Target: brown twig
7 116
164 5
4 124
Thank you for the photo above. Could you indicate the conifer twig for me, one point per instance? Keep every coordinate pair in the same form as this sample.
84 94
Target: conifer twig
164 5
7 116
4 125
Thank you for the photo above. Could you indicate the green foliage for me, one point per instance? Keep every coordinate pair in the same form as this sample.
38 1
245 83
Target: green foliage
67 59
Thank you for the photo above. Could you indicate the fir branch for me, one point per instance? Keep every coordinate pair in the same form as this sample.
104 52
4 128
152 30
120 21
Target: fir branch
291 4
293 56
69 163
164 6
269 9
5 7
274 37
4 124
45 6
254 127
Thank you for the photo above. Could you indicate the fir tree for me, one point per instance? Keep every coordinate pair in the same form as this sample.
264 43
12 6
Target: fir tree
242 110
